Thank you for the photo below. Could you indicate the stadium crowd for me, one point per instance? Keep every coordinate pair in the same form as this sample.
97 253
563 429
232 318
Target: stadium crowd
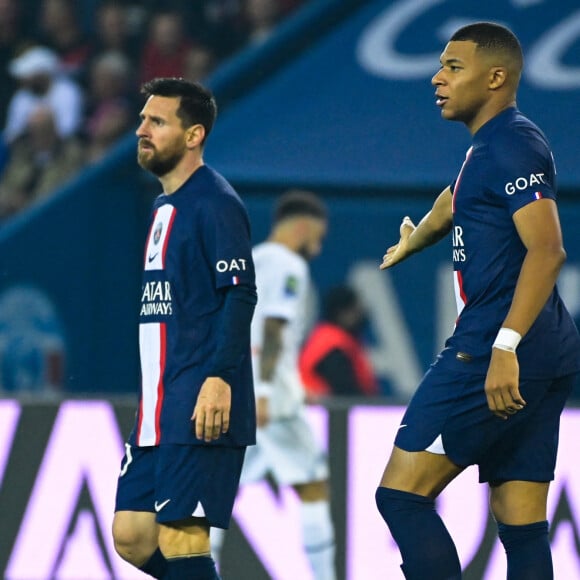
70 71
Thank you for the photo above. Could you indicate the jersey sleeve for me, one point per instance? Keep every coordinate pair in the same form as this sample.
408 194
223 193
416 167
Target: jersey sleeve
227 242
523 169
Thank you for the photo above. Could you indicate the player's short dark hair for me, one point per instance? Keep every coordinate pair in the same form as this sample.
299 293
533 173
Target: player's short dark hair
492 37
297 202
197 104
337 300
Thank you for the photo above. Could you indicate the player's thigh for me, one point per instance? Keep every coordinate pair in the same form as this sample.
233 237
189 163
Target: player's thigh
136 482
199 481
444 415
134 526
519 503
419 472
524 447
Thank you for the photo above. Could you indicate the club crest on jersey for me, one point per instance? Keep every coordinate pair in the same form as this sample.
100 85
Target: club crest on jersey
157 232
522 183
291 286
233 265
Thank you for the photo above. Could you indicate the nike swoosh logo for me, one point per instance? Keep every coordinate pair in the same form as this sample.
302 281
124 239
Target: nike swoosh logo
160 506
151 258
401 426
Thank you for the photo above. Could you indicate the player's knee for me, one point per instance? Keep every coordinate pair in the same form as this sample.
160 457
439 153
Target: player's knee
396 506
127 546
131 543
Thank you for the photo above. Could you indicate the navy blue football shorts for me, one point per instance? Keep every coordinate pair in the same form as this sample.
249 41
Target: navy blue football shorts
450 408
181 481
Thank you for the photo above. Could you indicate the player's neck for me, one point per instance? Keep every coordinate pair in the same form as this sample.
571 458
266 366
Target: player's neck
488 112
285 236
173 180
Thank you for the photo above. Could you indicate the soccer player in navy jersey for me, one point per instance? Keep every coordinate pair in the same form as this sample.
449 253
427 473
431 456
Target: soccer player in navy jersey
196 412
494 395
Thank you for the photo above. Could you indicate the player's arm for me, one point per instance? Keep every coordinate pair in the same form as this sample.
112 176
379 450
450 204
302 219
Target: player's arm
538 226
271 349
212 410
434 226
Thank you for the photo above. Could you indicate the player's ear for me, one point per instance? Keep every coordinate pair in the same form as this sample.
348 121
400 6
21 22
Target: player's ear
497 77
194 136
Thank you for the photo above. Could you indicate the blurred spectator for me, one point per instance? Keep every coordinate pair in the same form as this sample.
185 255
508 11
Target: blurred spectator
37 70
166 47
181 39
333 360
219 24
114 31
110 109
200 61
261 16
40 161
61 30
12 39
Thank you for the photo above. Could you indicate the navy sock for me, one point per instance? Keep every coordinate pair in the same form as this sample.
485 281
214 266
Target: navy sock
528 551
156 566
191 568
424 542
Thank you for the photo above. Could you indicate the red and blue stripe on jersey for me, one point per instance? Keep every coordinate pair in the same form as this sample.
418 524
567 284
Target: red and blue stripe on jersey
153 335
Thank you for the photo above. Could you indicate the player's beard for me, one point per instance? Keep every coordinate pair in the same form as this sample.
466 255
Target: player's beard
160 164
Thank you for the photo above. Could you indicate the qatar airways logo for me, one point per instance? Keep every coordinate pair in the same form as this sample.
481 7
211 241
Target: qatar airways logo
156 299
522 183
458 245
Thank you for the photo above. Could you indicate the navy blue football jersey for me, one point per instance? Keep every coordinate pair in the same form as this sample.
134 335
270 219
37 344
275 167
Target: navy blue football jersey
197 246
508 166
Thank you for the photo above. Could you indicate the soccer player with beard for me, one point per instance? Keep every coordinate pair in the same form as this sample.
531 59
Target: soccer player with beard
494 395
286 448
196 411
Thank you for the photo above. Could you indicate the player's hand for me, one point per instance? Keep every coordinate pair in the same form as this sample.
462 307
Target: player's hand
211 415
502 384
262 411
400 251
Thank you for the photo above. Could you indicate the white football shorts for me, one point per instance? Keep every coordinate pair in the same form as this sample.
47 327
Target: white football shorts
288 450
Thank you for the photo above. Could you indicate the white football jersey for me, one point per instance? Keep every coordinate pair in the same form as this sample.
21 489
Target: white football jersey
282 281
